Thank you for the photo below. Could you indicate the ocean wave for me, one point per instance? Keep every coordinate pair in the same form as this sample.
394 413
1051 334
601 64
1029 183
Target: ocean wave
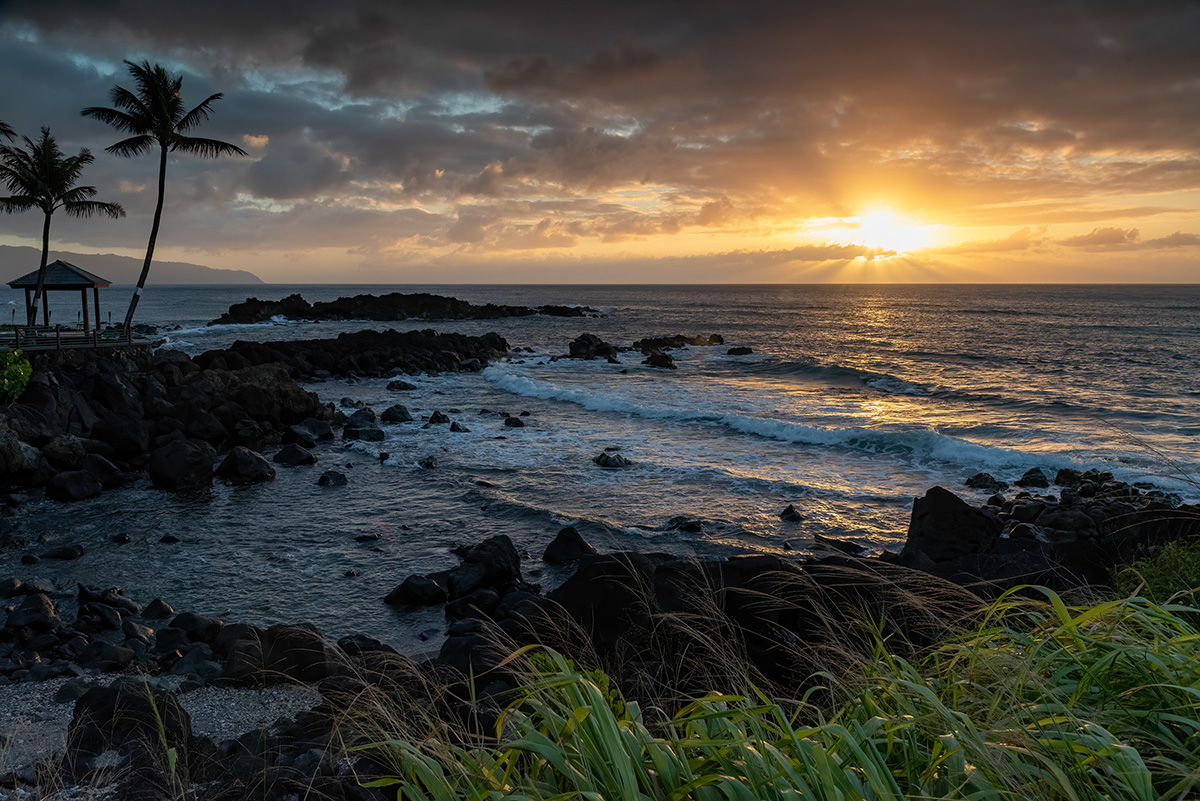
840 375
917 444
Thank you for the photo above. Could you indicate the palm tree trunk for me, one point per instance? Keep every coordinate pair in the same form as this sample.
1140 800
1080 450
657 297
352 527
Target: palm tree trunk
137 293
41 282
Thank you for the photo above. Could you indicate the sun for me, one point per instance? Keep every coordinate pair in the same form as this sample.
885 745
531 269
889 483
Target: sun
883 230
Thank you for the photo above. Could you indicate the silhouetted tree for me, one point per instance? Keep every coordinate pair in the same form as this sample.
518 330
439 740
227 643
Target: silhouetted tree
41 176
6 131
154 114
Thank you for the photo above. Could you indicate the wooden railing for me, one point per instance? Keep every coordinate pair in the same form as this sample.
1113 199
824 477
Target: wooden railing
39 338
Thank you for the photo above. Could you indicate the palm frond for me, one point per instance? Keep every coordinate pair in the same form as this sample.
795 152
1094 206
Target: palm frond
207 148
92 208
133 146
6 130
198 114
17 204
121 120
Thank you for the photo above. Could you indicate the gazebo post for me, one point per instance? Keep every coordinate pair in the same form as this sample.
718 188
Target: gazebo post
86 322
96 299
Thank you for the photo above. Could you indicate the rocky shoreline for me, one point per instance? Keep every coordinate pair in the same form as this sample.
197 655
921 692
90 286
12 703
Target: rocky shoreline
657 623
391 307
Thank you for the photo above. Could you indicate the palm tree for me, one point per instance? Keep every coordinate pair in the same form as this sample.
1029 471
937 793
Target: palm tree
6 131
155 114
41 176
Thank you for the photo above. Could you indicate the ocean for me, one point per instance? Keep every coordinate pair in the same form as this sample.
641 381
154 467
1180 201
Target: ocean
854 400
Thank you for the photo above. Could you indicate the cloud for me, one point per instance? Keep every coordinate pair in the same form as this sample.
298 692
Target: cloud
642 122
1102 237
1017 240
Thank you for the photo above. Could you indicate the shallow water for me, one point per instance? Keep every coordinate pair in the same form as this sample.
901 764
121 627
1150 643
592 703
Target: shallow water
854 400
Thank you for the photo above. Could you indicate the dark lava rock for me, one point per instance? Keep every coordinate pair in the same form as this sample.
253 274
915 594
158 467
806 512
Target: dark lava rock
73 485
611 460
389 307
791 515
685 524
363 418
36 612
370 434
459 428
567 546
183 464
109 475
663 361
396 414
437 418
64 451
332 478
514 422
416 591
157 609
741 350
199 628
985 481
845 546
677 341
590 346
1034 477
428 462
401 386
299 435
493 563
284 652
104 656
943 527
244 466
141 724
292 455
64 553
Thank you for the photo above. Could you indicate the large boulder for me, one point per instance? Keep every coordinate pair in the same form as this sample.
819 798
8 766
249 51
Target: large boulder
943 527
567 546
416 591
590 346
107 473
492 563
292 455
244 466
139 726
183 464
296 652
73 485
65 451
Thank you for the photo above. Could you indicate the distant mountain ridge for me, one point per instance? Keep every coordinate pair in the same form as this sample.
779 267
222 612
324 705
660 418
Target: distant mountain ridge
15 261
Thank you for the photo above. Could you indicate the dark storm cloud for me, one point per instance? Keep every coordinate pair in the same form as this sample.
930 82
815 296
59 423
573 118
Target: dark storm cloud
719 112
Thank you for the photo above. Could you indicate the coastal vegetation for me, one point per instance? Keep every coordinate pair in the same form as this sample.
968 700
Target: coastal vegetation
40 176
15 370
154 115
1039 700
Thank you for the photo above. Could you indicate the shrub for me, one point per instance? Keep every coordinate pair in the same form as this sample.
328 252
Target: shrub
14 374
1165 572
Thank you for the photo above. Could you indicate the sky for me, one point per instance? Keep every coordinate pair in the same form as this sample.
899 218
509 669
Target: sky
858 141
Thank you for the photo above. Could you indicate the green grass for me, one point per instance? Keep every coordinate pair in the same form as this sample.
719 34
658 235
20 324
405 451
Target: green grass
1038 701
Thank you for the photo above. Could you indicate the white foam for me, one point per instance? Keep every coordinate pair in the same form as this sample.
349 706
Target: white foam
918 444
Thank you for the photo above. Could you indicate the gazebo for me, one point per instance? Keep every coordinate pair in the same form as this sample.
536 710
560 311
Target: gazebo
62 275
